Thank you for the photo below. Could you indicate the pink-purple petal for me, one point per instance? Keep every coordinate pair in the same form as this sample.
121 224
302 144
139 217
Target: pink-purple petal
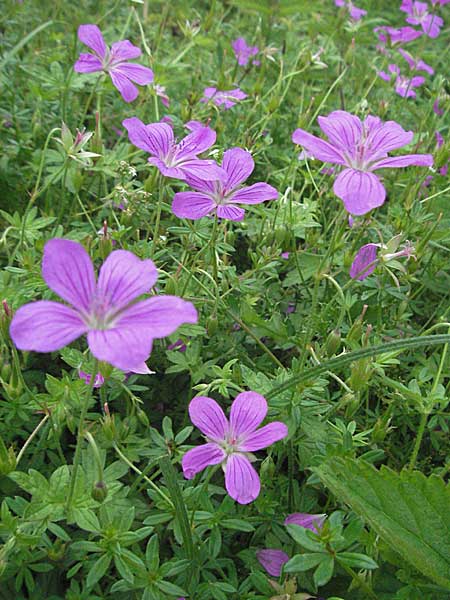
127 89
384 137
199 458
88 63
360 191
208 416
124 277
125 348
202 169
230 212
155 138
92 37
312 522
418 160
192 205
366 255
196 142
241 479
238 165
272 560
137 73
342 129
247 412
45 326
124 50
318 148
67 270
264 437
254 194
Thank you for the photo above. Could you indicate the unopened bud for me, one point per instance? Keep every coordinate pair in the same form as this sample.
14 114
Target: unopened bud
99 491
333 342
211 325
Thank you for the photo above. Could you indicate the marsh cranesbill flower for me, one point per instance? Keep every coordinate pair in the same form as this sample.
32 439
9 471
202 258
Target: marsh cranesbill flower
355 13
113 61
365 262
86 377
221 197
272 560
418 15
312 522
230 443
243 53
174 159
416 64
361 148
227 99
404 86
120 331
395 35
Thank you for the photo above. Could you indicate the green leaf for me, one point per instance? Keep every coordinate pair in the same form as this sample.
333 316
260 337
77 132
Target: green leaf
99 568
408 510
170 588
303 537
237 524
354 559
324 571
152 554
86 519
303 562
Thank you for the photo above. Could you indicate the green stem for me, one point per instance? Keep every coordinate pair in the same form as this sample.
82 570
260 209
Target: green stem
30 437
418 442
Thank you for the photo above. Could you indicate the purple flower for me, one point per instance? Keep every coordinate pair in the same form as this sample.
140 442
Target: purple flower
272 560
365 262
312 522
437 111
220 197
404 86
418 15
160 91
361 148
86 377
225 99
178 345
355 12
176 160
113 61
243 52
416 65
230 443
119 330
397 36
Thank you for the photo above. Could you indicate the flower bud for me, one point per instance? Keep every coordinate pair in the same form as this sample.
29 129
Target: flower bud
7 459
211 325
99 491
333 342
142 417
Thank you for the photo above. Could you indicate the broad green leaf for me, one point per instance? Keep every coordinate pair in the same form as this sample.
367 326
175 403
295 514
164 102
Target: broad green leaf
98 569
304 537
324 571
303 562
354 559
86 519
237 524
408 510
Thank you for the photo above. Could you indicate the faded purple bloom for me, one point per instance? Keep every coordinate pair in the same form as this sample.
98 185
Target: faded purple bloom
243 52
113 61
173 159
221 197
361 148
404 86
355 12
272 560
160 91
365 262
119 330
418 15
230 443
226 99
312 522
86 377
401 35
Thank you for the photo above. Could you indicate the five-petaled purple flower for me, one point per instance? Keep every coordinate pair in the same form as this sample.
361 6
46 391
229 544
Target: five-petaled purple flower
418 15
230 443
355 13
243 52
221 196
221 98
361 148
173 159
119 330
113 61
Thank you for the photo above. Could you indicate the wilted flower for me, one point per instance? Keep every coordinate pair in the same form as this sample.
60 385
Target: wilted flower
243 52
355 13
174 159
272 560
225 99
368 257
230 443
418 15
221 197
119 330
361 148
113 61
312 522
86 377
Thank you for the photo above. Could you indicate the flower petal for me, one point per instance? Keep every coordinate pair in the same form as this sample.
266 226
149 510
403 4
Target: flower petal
264 437
92 37
124 50
254 194
156 138
247 412
124 277
384 137
199 458
207 416
366 255
158 316
241 479
360 191
272 560
312 522
128 90
418 160
137 73
67 270
238 165
342 129
196 142
318 148
126 348
192 205
202 169
88 63
45 326
230 212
